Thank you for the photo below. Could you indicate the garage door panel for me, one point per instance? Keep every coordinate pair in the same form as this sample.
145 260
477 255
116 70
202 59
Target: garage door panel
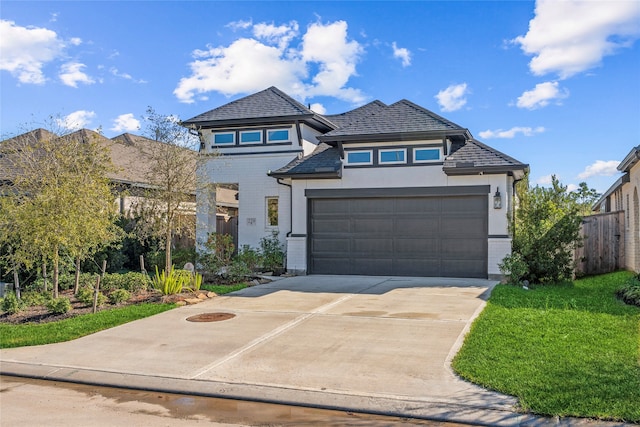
364 247
403 236
331 226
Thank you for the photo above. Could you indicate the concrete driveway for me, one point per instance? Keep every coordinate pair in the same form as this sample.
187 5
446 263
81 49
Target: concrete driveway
370 344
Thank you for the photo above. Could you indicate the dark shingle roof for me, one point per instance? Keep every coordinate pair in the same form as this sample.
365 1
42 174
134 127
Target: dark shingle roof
474 156
401 117
344 119
324 161
271 102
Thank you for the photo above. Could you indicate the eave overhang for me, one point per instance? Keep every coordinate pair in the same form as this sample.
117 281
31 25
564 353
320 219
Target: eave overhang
463 134
517 172
316 175
630 160
316 122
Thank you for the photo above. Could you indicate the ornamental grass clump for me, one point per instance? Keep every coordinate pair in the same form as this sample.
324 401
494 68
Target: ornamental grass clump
175 281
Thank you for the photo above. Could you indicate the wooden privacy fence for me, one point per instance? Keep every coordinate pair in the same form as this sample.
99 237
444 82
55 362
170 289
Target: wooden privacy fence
603 248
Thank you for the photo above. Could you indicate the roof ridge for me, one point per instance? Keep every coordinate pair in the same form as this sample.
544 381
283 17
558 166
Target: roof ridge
290 99
494 151
427 111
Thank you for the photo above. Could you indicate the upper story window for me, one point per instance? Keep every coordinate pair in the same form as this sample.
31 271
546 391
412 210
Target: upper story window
278 135
425 155
359 157
393 156
251 137
222 138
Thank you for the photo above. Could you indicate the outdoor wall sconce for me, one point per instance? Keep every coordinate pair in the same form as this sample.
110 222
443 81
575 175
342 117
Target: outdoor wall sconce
497 199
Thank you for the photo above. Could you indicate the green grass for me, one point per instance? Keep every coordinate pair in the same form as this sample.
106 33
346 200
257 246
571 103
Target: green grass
566 350
224 289
75 327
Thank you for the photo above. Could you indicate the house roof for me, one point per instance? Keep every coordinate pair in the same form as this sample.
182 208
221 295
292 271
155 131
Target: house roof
129 153
476 157
380 122
323 162
270 105
630 160
345 119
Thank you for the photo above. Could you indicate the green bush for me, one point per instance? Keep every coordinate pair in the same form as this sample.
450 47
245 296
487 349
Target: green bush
119 296
514 268
11 304
34 298
131 281
219 250
85 296
272 253
630 291
249 257
192 281
237 272
59 305
168 283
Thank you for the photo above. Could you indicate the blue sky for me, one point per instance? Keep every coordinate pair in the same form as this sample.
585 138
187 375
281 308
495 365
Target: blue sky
555 84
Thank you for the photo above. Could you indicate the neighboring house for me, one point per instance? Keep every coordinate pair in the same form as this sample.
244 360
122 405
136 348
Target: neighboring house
379 190
623 196
130 156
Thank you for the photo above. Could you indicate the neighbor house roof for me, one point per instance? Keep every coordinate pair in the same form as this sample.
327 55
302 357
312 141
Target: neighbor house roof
270 105
389 122
630 160
476 157
323 162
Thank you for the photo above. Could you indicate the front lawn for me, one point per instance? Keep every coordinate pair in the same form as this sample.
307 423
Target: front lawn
12 335
566 350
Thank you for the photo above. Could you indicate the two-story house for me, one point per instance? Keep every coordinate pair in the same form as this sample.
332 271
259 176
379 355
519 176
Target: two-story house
379 190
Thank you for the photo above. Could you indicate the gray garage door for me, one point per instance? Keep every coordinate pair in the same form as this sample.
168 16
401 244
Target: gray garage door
439 236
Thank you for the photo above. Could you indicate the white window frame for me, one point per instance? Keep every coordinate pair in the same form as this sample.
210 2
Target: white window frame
266 204
439 159
392 150
370 162
243 132
279 141
233 139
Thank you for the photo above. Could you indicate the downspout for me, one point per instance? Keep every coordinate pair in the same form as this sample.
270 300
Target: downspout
279 180
513 209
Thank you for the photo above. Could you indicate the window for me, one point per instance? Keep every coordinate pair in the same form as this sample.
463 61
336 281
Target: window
251 137
392 156
425 155
359 157
278 135
272 211
224 138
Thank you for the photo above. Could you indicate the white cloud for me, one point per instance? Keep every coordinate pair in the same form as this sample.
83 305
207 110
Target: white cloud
402 53
568 37
240 25
26 50
125 76
452 98
71 74
321 65
600 168
545 180
76 41
542 95
125 123
572 187
318 108
511 133
76 120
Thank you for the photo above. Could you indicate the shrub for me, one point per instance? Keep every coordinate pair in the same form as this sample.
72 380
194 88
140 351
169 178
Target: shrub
237 272
59 305
11 304
272 253
33 298
192 281
219 250
249 257
119 296
132 281
514 268
630 291
85 296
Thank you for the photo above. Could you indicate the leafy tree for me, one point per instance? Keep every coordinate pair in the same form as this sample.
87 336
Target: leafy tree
169 209
547 229
58 199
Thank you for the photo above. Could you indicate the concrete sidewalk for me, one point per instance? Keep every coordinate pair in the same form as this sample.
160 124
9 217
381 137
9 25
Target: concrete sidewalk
364 344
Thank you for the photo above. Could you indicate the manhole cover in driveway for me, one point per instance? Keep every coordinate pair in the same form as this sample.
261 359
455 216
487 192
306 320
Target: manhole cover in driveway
211 317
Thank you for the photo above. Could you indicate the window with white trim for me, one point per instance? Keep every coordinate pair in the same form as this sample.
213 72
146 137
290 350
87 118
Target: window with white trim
251 137
224 138
361 157
392 156
426 155
278 135
272 211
